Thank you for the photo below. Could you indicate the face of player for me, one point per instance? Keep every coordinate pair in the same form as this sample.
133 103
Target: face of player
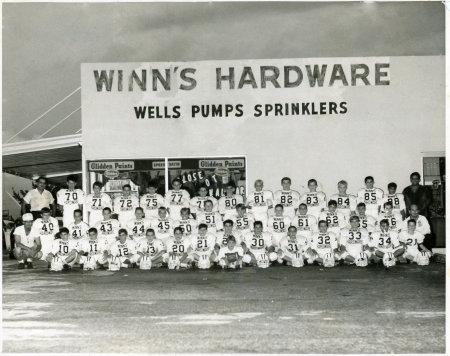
203 192
388 209
28 224
184 214
292 233
312 186
411 227
230 191
150 236
342 189
106 214
392 190
414 211
92 235
354 224
208 207
415 180
286 184
303 209
151 190
64 236
231 244
361 210
78 217
259 186
126 192
122 237
41 184
97 190
176 185
139 214
369 183
162 213
71 184
46 216
228 228
332 208
278 211
323 227
178 235
384 227
240 212
202 231
258 229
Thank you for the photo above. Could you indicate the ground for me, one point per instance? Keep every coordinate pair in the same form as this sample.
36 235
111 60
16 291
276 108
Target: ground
277 310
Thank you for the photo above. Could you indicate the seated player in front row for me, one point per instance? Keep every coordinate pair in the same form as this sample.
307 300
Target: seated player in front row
28 243
187 224
222 236
292 248
354 243
150 251
412 240
122 253
92 251
324 246
177 250
385 246
230 256
64 252
201 252
258 247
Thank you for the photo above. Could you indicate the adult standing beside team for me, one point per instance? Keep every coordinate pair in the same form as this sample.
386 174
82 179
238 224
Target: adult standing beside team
417 194
38 198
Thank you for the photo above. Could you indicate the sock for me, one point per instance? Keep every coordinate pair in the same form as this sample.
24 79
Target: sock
21 261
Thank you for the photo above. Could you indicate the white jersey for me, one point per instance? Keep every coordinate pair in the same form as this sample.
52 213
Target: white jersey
125 249
306 225
384 240
150 248
108 229
197 204
222 238
259 203
151 203
93 247
258 242
244 223
289 199
78 231
354 240
397 200
94 205
411 241
336 221
315 201
226 253
212 219
372 198
45 228
395 221
189 226
70 201
178 247
345 204
137 228
204 244
278 226
27 240
63 248
422 225
175 200
227 205
324 242
163 227
367 222
291 246
125 207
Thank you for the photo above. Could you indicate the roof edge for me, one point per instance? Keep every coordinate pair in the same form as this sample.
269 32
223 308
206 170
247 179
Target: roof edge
41 144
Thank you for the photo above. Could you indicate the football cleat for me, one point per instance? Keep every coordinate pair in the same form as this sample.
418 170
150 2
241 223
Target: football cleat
30 264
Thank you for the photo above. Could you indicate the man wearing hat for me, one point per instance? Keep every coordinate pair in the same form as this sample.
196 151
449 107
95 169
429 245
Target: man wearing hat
28 243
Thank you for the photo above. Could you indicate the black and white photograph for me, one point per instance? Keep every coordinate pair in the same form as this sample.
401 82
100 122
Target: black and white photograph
224 177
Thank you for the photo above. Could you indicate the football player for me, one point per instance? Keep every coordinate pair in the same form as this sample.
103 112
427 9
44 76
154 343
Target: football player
176 199
152 248
201 252
70 199
292 248
346 203
124 249
412 241
243 221
227 204
198 203
287 197
323 246
335 219
384 245
316 201
211 218
138 226
230 256
64 252
187 224
395 219
162 225
422 224
222 236
108 228
370 196
177 250
354 243
258 247
46 227
27 243
366 221
95 203
305 223
78 229
151 201
397 200
278 225
259 202
125 205
92 251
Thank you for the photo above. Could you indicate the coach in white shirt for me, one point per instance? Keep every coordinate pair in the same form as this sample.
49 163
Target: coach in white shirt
422 225
39 198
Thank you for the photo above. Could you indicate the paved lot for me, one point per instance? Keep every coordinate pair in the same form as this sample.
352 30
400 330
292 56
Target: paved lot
278 310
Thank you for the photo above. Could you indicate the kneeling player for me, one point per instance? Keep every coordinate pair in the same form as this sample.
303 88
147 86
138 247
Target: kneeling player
28 243
230 256
324 246
64 252
202 248
122 253
385 245
292 248
412 240
150 251
92 251
354 243
177 250
258 247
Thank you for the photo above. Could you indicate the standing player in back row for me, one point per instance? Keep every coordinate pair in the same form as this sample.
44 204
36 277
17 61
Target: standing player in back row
151 201
259 202
370 196
346 203
397 200
176 199
198 203
315 201
227 204
70 199
125 205
287 197
95 203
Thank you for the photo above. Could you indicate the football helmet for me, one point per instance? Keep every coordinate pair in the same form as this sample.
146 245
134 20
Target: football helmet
328 260
114 264
263 261
297 260
203 262
174 262
89 264
422 258
145 263
362 260
57 264
389 259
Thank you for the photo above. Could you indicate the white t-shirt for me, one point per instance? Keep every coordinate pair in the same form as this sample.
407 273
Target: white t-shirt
27 240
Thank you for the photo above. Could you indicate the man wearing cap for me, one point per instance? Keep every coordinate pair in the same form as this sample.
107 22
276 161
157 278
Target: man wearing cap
38 198
28 243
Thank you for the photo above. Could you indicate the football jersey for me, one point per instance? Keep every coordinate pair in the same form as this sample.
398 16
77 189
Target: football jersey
354 240
395 221
197 204
367 222
315 201
212 219
124 207
336 221
226 252
298 245
227 205
372 198
259 202
289 199
108 229
188 226
151 248
63 248
397 200
384 240
119 249
203 243
45 228
163 227
345 204
94 205
257 242
306 224
93 247
70 201
221 238
178 247
27 240
175 200
137 228
78 231
422 225
278 225
324 242
243 223
411 241
151 203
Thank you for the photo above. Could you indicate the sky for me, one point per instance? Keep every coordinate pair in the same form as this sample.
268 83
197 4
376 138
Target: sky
44 44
